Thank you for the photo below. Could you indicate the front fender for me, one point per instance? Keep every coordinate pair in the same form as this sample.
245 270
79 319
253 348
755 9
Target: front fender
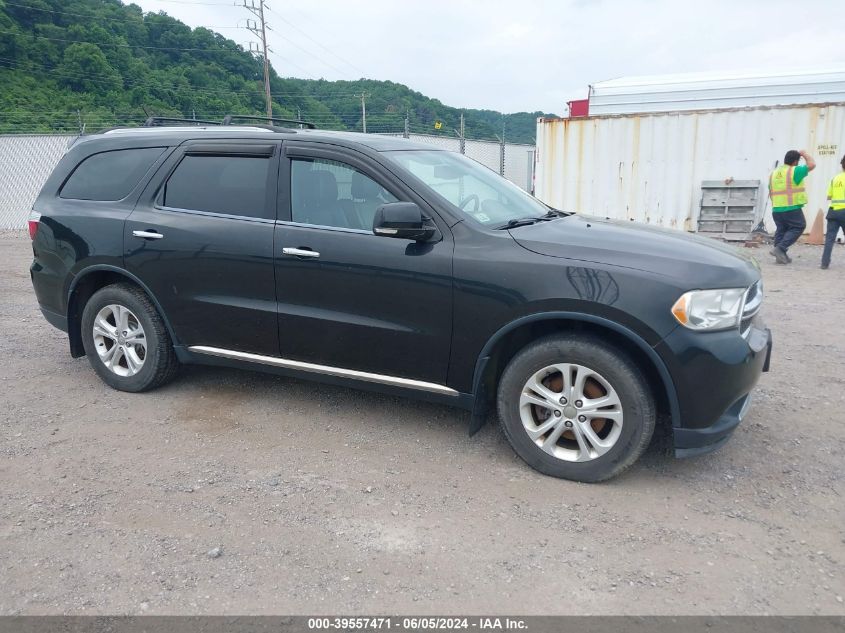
480 386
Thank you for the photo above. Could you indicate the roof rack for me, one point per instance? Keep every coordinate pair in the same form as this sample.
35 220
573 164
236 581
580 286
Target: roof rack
156 121
227 120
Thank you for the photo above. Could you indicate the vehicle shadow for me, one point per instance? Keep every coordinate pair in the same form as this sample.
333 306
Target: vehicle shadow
360 412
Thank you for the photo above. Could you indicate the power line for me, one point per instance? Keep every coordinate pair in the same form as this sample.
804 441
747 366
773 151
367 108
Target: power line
329 51
218 4
191 49
291 63
99 78
100 17
126 82
307 52
156 48
157 84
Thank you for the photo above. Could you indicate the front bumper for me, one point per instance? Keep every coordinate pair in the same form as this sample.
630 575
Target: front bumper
692 442
714 376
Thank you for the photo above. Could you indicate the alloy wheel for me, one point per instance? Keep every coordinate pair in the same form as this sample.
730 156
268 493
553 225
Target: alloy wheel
120 340
571 412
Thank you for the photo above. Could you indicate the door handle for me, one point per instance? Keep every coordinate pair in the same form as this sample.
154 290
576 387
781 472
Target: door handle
300 252
148 235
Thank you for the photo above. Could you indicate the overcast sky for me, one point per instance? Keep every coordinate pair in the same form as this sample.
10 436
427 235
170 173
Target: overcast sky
523 54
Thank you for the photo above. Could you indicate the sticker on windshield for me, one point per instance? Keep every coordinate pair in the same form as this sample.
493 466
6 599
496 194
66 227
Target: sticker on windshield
481 217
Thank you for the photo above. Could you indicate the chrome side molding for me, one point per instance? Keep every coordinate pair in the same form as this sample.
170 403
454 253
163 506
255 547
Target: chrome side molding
327 370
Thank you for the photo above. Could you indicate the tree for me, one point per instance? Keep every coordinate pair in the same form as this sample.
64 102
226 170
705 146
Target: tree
113 62
84 68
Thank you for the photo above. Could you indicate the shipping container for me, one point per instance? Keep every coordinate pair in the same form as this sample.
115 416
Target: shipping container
650 167
709 91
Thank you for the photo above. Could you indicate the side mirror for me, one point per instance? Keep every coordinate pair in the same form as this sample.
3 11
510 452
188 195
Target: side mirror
403 220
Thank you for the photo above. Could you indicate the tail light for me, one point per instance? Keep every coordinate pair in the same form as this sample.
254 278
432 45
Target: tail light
32 222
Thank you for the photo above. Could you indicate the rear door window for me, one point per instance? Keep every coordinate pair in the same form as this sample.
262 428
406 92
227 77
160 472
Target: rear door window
110 176
233 185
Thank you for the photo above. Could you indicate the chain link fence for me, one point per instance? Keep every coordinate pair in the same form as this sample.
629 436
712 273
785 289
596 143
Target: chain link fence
26 161
514 161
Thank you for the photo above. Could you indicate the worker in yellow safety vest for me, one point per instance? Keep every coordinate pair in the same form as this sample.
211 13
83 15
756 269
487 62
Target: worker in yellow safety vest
835 214
788 194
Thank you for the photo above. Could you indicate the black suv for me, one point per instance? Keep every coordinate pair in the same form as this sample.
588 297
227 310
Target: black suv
374 262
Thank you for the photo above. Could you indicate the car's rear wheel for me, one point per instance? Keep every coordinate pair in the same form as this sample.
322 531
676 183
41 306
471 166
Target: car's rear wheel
126 341
575 407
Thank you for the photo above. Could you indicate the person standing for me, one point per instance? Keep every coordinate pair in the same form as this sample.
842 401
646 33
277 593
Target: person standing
835 214
789 196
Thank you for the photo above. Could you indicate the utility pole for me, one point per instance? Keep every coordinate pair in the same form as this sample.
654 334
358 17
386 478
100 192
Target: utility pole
461 137
261 33
363 96
407 124
502 149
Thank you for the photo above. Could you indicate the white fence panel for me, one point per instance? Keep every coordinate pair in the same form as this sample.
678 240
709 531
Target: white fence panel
443 142
25 163
519 165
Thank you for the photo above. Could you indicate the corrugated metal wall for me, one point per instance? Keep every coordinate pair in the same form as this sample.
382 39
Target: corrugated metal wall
25 163
650 167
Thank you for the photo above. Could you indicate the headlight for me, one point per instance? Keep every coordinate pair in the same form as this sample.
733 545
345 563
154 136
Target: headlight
709 309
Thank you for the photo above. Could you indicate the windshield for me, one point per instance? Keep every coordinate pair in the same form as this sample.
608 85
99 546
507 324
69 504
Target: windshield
479 192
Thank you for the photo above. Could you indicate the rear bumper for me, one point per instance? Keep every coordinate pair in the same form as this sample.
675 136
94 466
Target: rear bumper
55 319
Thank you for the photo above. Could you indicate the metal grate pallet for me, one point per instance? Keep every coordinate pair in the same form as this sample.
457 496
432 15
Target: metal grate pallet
728 208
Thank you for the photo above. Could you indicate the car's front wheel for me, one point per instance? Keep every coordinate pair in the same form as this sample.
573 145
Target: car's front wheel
575 407
125 339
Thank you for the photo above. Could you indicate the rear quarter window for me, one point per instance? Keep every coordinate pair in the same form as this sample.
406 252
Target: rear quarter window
110 176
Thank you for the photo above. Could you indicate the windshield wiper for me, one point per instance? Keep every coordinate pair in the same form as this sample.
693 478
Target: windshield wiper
515 222
557 213
531 219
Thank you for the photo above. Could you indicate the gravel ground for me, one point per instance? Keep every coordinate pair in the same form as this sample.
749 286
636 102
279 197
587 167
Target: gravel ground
236 492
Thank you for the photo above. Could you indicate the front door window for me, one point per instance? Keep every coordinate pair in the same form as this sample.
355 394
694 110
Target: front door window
329 193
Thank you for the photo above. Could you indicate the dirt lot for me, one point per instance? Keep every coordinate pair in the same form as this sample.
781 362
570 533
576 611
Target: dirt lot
330 500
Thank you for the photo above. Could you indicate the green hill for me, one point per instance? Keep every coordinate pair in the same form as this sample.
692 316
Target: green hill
101 63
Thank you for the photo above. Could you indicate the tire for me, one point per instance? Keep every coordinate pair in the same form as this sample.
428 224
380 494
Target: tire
589 448
116 357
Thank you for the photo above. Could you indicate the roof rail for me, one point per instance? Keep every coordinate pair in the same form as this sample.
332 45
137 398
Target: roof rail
156 121
227 120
